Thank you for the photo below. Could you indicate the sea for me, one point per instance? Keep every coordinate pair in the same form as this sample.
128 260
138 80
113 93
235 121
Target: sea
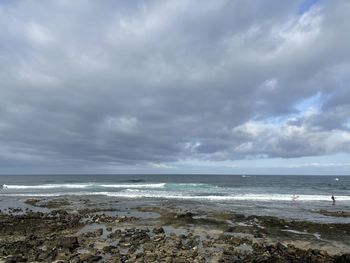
296 197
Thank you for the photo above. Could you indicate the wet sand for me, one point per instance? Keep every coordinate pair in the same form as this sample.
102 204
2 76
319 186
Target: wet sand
75 229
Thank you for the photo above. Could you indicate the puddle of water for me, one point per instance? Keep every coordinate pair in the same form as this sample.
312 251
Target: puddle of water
239 235
6 203
131 213
177 231
316 235
93 227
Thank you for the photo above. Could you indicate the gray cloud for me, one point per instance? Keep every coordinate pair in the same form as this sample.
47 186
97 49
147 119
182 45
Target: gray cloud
160 81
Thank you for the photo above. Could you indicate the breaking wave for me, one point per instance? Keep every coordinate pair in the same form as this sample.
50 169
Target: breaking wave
138 194
82 186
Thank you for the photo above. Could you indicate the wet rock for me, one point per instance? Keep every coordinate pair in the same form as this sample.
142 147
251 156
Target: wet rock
158 230
115 234
282 253
96 233
68 242
87 258
47 237
99 232
159 238
335 213
139 237
343 258
111 249
47 256
32 201
185 216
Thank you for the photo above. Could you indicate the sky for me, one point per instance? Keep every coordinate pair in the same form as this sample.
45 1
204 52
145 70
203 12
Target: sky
162 86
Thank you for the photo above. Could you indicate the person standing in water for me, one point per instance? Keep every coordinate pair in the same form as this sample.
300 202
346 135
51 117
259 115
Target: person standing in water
333 199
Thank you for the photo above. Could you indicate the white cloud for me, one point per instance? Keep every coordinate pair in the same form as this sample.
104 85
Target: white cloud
290 140
142 82
39 34
120 124
162 166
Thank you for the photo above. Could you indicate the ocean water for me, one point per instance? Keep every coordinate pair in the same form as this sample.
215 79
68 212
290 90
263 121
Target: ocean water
258 194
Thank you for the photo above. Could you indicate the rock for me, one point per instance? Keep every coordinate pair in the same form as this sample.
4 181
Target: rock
158 238
259 235
158 230
11 259
125 244
90 258
185 216
48 256
111 249
99 232
115 234
342 259
68 242
50 237
281 246
335 213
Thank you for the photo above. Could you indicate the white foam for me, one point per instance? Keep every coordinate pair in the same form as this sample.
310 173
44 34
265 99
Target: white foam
156 185
316 235
40 195
53 194
46 186
246 197
140 191
295 232
190 185
82 186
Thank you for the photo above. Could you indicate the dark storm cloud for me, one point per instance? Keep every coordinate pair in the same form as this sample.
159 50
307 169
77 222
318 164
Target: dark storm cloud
141 82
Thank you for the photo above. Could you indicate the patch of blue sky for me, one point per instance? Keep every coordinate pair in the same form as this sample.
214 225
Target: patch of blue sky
313 102
347 124
280 120
276 120
8 2
306 6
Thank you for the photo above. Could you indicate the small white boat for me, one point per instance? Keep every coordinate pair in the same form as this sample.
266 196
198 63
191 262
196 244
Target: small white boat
337 179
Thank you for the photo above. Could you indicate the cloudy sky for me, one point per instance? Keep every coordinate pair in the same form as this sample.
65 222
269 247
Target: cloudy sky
185 86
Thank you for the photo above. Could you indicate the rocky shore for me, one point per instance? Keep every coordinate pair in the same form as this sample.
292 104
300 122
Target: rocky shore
91 232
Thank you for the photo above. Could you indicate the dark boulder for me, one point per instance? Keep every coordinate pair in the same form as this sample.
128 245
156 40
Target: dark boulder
68 243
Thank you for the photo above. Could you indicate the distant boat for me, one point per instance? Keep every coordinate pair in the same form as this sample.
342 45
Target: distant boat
337 179
244 176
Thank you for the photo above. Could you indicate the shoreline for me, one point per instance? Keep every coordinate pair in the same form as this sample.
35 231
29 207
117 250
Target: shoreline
88 229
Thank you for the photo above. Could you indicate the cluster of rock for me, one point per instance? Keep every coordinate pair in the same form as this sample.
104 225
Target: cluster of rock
89 236
281 253
335 213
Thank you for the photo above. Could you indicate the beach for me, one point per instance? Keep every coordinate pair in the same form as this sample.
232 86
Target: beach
176 218
99 229
174 131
